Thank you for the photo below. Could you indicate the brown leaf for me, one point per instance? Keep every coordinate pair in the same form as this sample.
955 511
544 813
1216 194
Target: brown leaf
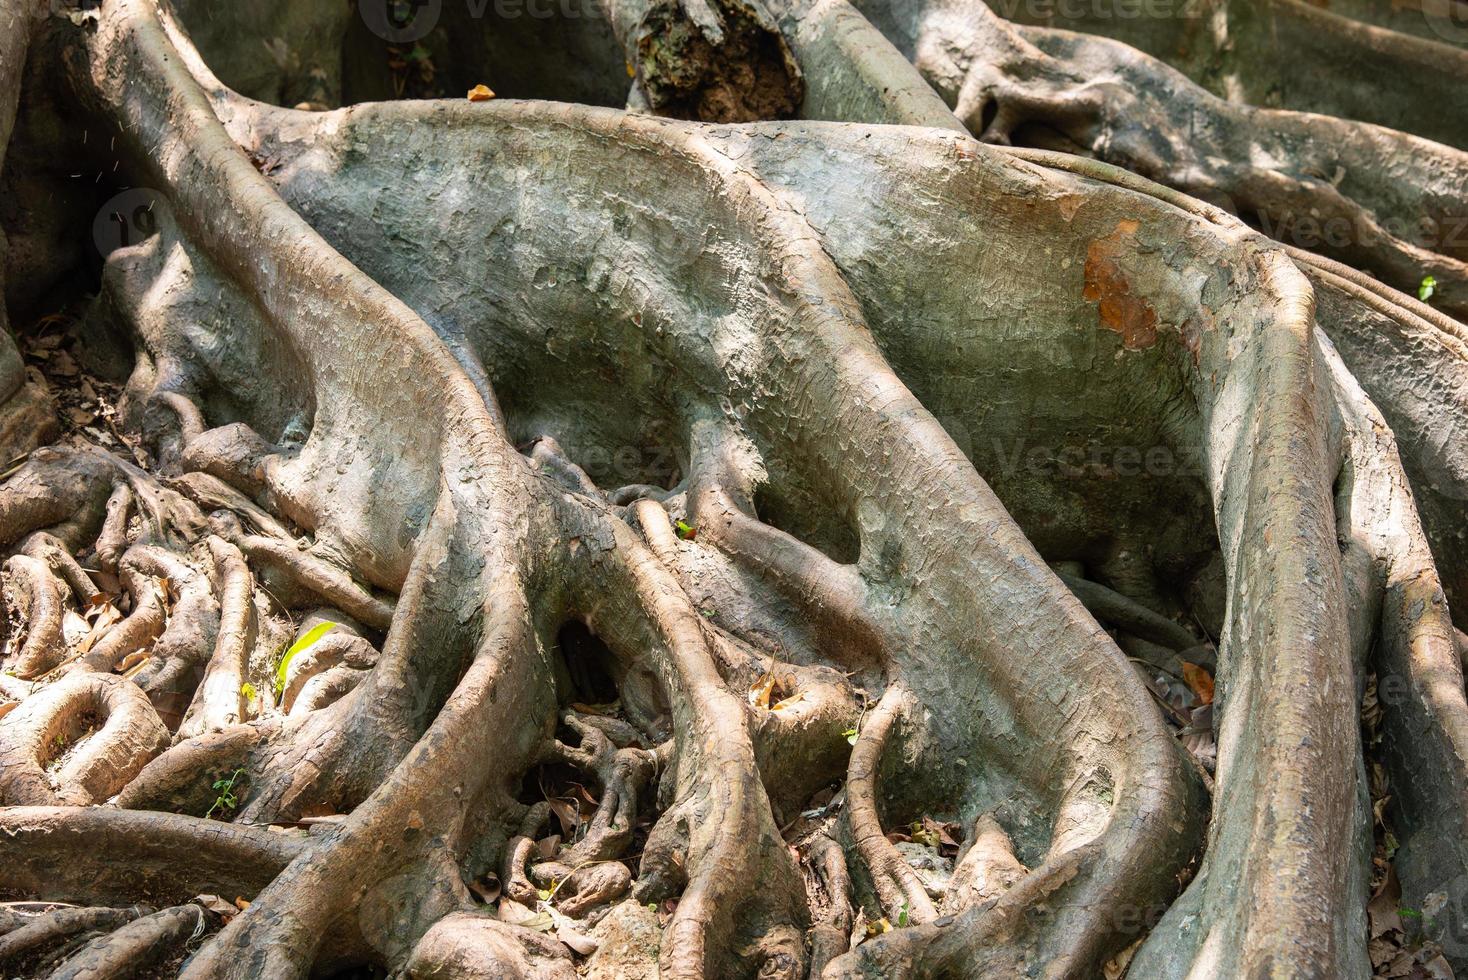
759 691
548 846
217 905
568 813
1382 909
1200 681
580 942
480 93
793 699
487 889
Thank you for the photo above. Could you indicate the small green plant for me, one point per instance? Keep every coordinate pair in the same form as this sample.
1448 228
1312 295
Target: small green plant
902 915
685 531
1428 287
247 691
850 734
225 788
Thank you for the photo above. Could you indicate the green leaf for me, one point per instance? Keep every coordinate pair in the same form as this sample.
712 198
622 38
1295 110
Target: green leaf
247 690
1428 287
902 916
313 635
850 734
685 530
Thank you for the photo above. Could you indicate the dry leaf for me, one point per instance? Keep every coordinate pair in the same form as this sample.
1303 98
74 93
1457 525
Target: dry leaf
240 903
793 699
480 93
132 660
103 618
74 627
759 691
488 889
578 941
567 813
217 905
1117 967
1200 681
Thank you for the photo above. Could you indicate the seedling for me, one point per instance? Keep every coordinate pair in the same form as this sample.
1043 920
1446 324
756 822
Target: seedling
226 799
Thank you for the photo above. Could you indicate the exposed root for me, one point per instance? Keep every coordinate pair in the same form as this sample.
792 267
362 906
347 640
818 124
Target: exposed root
221 701
985 870
49 928
901 893
100 854
120 729
318 577
39 601
136 946
462 945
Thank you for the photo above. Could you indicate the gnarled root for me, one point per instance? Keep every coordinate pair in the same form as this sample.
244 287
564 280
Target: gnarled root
118 729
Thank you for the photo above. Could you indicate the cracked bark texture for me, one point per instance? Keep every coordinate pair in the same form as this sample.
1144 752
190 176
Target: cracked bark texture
673 396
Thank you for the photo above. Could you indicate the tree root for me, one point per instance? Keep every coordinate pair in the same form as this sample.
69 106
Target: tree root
127 734
137 945
901 893
50 928
794 341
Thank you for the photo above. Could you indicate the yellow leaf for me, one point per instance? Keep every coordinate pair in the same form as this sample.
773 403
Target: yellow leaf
793 699
480 93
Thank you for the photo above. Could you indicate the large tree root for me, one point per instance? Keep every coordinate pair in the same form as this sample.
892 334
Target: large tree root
406 420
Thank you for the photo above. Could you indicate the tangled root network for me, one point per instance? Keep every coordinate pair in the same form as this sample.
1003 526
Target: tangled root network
760 488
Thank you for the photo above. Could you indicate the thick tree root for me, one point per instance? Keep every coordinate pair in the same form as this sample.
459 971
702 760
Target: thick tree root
401 419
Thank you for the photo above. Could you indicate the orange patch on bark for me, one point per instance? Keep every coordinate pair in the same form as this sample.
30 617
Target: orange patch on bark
1121 311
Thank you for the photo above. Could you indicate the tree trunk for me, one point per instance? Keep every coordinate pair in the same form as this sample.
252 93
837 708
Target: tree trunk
857 449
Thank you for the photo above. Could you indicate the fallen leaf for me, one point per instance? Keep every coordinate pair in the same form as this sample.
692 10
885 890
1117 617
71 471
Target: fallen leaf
306 642
1200 681
74 627
793 699
487 889
241 903
217 905
480 93
759 691
568 813
578 941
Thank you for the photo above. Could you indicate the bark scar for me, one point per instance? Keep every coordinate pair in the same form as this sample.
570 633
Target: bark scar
1121 311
